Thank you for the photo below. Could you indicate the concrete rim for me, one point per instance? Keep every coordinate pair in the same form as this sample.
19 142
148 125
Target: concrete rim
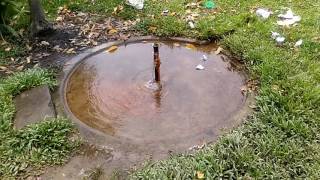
71 65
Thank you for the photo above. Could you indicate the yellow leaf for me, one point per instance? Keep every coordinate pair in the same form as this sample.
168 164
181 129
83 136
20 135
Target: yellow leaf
112 31
112 49
190 46
200 175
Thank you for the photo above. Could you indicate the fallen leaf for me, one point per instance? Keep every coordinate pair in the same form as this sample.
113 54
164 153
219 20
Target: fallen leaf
7 49
200 175
20 68
3 68
218 51
112 31
45 43
190 46
28 59
112 49
71 51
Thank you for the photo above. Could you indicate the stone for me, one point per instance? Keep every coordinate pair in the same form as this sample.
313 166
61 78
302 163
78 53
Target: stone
33 106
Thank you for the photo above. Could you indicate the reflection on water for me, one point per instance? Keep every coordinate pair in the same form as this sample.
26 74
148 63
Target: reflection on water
108 92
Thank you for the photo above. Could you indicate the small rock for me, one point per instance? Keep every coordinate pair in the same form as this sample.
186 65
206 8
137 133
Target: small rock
33 106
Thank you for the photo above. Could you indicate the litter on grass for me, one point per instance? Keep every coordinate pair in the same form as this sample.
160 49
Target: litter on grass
209 4
191 25
289 18
278 37
263 13
280 40
298 43
165 12
138 4
274 35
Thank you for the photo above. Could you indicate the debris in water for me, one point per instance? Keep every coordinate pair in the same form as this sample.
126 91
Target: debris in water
263 13
298 43
204 57
112 49
199 67
190 46
138 4
287 19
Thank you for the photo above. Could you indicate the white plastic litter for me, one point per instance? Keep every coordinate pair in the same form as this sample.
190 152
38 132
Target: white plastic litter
274 35
165 12
263 13
199 67
289 18
280 40
288 15
298 43
204 57
191 24
138 4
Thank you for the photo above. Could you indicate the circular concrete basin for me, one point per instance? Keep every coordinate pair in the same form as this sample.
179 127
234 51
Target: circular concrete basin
110 92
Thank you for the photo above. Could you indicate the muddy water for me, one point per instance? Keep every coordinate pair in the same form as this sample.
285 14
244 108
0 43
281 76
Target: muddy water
108 92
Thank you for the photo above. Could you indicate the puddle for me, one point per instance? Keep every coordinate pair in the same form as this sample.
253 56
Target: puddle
111 93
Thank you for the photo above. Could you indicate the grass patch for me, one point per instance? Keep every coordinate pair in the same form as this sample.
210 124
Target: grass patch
281 139
29 149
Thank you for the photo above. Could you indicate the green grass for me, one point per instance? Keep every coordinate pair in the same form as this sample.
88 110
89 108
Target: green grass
25 151
282 138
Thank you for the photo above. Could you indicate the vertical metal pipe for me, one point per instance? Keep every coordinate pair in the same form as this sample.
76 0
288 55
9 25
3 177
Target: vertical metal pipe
157 62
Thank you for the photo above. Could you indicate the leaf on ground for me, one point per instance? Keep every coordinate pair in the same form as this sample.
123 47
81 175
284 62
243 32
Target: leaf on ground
7 49
71 51
28 59
200 175
20 68
44 43
3 68
218 51
112 49
112 31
